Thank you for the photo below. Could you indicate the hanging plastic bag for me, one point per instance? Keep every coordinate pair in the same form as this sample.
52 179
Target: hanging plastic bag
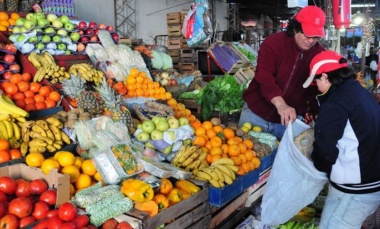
199 35
188 22
294 182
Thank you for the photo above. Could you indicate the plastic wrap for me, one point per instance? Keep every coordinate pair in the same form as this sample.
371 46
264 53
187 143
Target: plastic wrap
84 131
158 168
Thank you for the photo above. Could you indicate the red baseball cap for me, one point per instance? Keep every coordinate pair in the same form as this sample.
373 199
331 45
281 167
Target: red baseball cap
312 19
323 62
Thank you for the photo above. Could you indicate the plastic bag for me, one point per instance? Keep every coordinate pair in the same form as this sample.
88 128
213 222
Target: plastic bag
294 182
188 22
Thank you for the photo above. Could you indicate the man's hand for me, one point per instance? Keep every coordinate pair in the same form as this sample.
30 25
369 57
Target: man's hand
286 112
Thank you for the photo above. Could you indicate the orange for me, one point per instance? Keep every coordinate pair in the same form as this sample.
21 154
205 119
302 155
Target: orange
243 148
238 139
256 161
132 93
249 155
199 140
11 21
50 103
30 94
20 103
156 84
48 165
134 72
119 85
215 157
26 77
139 80
54 95
210 133
200 131
243 158
208 158
216 151
18 96
4 144
66 158
171 102
78 162
228 133
40 105
217 129
88 167
232 141
3 28
30 107
39 98
224 148
10 89
246 167
29 100
131 80
15 154
4 156
248 143
4 16
72 171
168 95
237 160
5 23
15 16
131 87
72 190
192 118
251 165
34 159
207 125
15 78
241 170
233 150
23 86
83 181
216 141
208 145
97 177
44 90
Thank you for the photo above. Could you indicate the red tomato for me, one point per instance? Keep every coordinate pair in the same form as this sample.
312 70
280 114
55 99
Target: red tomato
110 224
54 222
41 210
124 225
67 211
22 188
10 48
3 197
9 222
43 224
90 226
52 213
81 221
7 185
49 196
27 221
9 58
3 209
38 186
20 207
67 225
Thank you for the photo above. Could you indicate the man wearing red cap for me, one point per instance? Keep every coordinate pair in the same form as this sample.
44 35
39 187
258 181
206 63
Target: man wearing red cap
276 96
346 146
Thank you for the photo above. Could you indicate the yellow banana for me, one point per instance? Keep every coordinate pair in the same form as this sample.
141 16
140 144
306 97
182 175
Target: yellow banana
215 183
24 148
12 109
232 167
203 175
8 100
212 173
3 130
203 165
34 60
43 124
67 75
39 130
37 149
51 148
188 152
178 155
226 170
65 138
220 173
21 119
16 131
9 127
55 122
189 160
39 74
57 145
224 161
50 134
37 142
49 57
5 116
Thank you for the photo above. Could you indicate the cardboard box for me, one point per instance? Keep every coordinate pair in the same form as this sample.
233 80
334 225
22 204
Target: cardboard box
60 182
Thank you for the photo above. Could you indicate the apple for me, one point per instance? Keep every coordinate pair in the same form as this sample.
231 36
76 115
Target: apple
12 37
110 29
186 142
92 25
156 135
20 21
31 17
69 26
24 30
168 149
82 25
29 24
57 39
143 136
75 36
81 32
81 47
33 39
14 67
173 122
156 119
49 30
40 46
96 31
62 32
149 145
7 75
148 126
46 38
183 121
102 26
89 32
162 125
21 38
10 48
9 58
2 68
39 15
42 22
51 17
16 29
61 46
84 39
115 37
57 24
64 19
94 38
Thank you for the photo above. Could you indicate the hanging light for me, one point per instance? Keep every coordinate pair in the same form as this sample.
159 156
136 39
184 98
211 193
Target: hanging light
357 18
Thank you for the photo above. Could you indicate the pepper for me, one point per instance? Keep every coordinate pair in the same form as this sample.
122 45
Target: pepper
185 194
166 186
187 186
137 190
162 201
174 196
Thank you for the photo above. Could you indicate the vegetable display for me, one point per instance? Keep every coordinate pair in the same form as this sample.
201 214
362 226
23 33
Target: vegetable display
137 190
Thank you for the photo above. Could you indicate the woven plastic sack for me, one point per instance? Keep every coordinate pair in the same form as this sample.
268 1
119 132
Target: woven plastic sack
293 183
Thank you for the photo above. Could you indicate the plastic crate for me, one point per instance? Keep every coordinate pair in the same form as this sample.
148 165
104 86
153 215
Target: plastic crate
220 196
266 162
250 178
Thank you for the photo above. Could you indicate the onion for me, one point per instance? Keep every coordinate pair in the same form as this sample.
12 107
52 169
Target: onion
164 75
164 82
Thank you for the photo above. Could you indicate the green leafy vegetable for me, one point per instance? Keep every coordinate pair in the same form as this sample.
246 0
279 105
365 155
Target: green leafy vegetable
223 94
246 53
196 94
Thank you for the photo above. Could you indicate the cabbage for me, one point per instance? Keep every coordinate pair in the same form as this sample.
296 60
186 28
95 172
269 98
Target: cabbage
157 61
168 62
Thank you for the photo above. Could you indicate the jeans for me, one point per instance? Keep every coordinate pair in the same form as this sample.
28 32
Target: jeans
347 211
269 127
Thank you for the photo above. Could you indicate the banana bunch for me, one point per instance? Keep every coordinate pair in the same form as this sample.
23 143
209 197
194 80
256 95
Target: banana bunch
190 158
43 135
306 214
47 68
9 130
219 173
86 72
9 111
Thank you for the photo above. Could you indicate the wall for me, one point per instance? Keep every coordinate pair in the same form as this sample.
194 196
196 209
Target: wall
150 14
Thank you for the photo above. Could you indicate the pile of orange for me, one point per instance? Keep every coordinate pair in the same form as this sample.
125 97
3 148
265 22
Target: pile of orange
82 172
7 153
29 95
138 84
221 142
180 110
7 20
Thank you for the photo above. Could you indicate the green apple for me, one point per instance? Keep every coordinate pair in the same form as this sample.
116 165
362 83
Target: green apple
51 17
148 126
46 38
29 24
33 39
186 142
64 19
173 122
156 119
257 129
162 125
42 22
40 46
171 135
149 145
156 135
20 21
168 149
57 24
183 121
143 136
21 38
16 29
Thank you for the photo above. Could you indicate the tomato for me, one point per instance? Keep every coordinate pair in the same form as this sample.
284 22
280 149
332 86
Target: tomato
9 222
20 207
22 188
38 186
90 226
67 211
52 213
124 225
9 58
10 48
49 196
67 225
54 222
110 224
81 221
3 209
7 185
41 210
27 221
43 224
3 197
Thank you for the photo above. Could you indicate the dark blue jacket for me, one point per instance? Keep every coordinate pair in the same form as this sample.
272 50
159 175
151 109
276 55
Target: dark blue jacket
347 138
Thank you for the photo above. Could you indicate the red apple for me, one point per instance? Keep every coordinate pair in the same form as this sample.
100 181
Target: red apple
84 39
2 68
102 26
92 25
10 48
14 67
9 58
89 31
81 47
110 29
82 25
81 32
94 38
96 31
115 37
7 75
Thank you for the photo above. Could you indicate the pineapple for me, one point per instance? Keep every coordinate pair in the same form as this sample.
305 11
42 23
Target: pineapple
113 104
88 100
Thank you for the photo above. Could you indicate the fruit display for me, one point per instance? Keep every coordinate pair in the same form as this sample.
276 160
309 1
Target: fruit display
8 63
89 33
8 152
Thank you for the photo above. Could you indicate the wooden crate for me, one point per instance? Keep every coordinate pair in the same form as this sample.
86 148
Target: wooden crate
174 43
173 19
187 53
243 75
194 212
187 67
174 31
174 54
